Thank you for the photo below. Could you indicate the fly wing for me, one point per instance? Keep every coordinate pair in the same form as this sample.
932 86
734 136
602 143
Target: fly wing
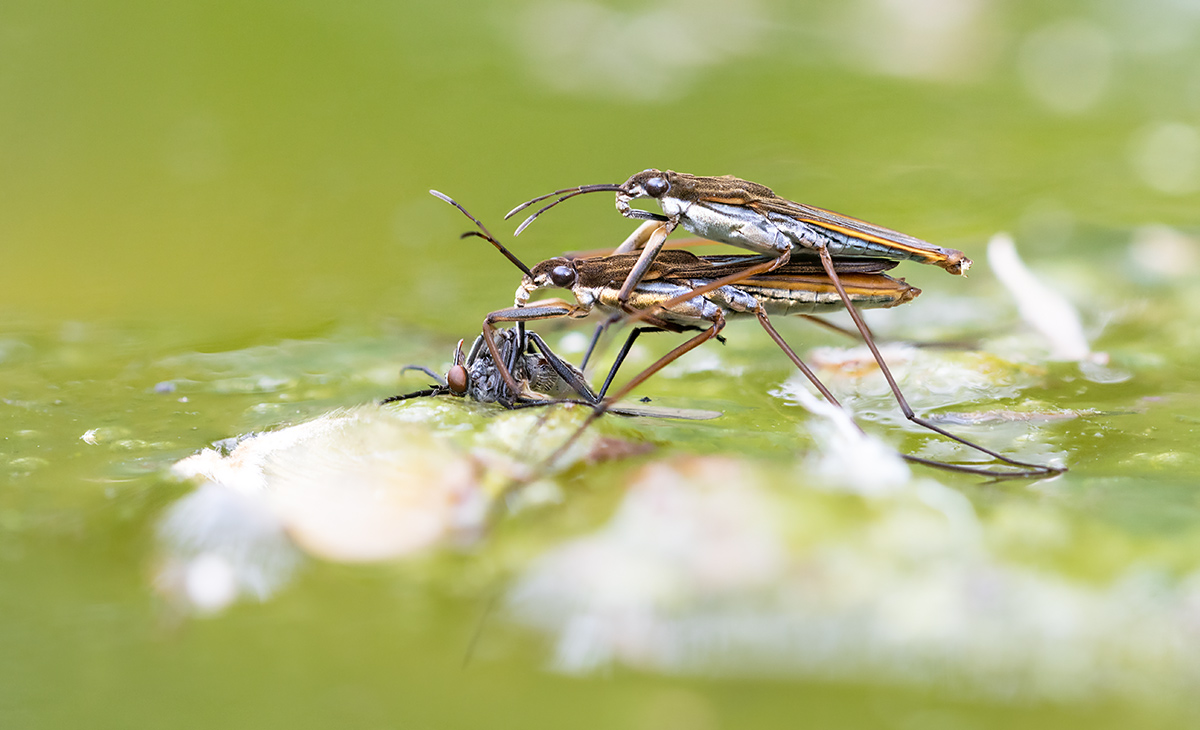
685 414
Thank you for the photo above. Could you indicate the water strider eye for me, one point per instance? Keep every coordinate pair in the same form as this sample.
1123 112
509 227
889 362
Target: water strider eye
563 276
458 379
656 186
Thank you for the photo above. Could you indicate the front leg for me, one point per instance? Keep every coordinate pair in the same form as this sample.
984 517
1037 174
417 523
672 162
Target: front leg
644 215
1028 469
654 245
650 237
637 240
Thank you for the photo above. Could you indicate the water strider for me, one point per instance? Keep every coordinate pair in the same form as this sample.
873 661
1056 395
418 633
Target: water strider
750 216
666 299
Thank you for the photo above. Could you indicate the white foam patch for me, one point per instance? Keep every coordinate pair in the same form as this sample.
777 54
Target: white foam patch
702 571
353 486
366 484
219 545
929 378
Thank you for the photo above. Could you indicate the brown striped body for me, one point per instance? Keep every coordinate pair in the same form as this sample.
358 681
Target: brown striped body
799 287
749 215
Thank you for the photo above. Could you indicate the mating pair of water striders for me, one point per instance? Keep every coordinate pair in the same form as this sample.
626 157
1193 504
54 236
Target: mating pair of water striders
806 261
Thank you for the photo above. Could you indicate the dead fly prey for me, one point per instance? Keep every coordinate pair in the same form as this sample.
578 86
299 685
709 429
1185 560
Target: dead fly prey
541 375
745 214
541 378
667 299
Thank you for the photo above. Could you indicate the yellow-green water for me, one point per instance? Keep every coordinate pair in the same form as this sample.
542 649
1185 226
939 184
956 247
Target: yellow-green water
231 198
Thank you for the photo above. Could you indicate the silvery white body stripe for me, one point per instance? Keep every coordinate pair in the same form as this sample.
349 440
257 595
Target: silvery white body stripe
771 233
732 224
648 294
737 301
839 244
783 302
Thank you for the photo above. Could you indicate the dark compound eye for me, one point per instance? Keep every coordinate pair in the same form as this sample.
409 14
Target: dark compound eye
563 276
656 186
457 379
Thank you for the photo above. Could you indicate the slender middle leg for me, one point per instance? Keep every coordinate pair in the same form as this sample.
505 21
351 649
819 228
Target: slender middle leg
1029 468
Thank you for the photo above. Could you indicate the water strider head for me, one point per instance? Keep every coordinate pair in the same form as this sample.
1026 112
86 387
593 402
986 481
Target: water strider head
555 273
589 278
456 382
671 189
650 183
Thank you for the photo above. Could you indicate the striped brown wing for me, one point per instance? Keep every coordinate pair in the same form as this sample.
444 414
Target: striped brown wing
677 264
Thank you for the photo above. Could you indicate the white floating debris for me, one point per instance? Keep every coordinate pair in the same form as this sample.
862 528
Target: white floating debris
1043 308
373 483
353 486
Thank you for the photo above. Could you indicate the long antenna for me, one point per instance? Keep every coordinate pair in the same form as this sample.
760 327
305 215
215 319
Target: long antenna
566 193
484 233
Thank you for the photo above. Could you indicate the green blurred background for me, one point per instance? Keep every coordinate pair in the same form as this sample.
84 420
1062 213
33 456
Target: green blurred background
220 176
253 166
